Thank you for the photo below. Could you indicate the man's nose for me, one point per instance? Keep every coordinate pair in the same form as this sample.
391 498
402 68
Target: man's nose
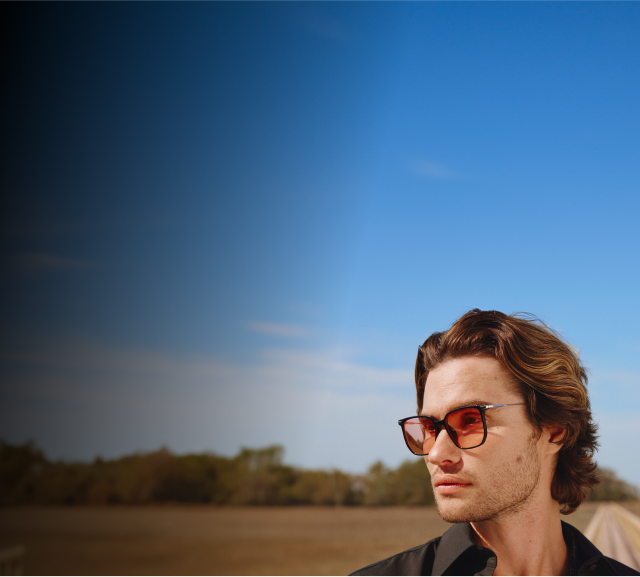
444 449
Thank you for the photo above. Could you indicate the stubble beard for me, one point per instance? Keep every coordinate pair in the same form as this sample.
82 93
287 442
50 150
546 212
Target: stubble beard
504 493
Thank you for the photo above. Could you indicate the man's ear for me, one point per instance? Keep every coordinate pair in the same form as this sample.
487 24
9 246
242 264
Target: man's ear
554 435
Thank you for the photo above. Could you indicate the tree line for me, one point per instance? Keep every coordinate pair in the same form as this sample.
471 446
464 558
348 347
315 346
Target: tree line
252 477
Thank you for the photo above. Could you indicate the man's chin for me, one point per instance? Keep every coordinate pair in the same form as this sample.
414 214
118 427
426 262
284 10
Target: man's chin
454 509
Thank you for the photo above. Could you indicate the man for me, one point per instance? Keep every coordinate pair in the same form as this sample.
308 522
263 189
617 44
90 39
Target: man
504 425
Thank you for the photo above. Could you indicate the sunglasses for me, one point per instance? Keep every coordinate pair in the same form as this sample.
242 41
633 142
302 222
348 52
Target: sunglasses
466 426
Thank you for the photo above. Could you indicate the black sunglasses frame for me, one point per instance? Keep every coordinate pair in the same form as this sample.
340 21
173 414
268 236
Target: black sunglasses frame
439 425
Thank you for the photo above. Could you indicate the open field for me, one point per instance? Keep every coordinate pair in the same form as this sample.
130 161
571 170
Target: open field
209 540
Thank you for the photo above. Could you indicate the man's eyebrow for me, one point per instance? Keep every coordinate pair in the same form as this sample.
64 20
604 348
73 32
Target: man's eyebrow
459 405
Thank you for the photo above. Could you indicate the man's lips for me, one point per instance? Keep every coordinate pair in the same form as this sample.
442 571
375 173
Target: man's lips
448 485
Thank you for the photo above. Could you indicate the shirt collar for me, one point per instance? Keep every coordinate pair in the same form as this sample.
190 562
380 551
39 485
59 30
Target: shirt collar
584 557
458 542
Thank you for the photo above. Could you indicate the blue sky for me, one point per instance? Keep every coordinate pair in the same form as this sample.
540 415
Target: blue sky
221 213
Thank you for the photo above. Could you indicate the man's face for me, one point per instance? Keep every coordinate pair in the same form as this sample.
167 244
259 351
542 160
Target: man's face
501 475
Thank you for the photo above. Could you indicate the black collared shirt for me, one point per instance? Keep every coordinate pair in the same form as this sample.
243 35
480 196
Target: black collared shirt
455 553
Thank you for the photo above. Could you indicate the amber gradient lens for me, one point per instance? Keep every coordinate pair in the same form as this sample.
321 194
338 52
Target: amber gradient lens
420 434
465 427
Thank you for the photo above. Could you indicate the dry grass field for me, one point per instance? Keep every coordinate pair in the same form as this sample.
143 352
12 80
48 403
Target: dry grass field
218 541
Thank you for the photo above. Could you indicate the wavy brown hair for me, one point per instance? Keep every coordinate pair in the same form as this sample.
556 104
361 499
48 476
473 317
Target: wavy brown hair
549 376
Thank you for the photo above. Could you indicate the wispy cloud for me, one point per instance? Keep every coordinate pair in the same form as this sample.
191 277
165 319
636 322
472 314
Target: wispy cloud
433 170
38 261
123 400
306 369
280 330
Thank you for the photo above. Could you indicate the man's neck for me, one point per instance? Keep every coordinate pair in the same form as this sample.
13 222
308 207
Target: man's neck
527 542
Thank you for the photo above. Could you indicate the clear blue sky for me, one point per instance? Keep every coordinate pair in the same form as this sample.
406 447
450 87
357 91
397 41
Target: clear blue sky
232 224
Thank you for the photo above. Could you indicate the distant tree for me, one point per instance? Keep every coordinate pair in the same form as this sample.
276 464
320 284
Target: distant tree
378 485
612 488
412 484
20 472
253 477
261 477
261 459
323 488
409 484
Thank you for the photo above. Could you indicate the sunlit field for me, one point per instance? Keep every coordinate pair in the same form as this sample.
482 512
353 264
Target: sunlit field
223 541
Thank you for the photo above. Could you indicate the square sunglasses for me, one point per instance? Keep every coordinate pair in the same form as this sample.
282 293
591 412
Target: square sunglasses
466 426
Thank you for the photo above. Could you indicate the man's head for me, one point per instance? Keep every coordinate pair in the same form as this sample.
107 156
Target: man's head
545 444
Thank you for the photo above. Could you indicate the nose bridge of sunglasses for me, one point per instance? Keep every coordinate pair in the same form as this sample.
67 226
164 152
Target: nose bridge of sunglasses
453 434
438 427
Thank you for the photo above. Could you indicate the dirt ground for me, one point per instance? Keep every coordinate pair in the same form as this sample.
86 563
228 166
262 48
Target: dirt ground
176 540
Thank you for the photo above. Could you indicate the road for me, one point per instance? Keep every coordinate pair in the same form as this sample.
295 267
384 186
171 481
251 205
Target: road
616 532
